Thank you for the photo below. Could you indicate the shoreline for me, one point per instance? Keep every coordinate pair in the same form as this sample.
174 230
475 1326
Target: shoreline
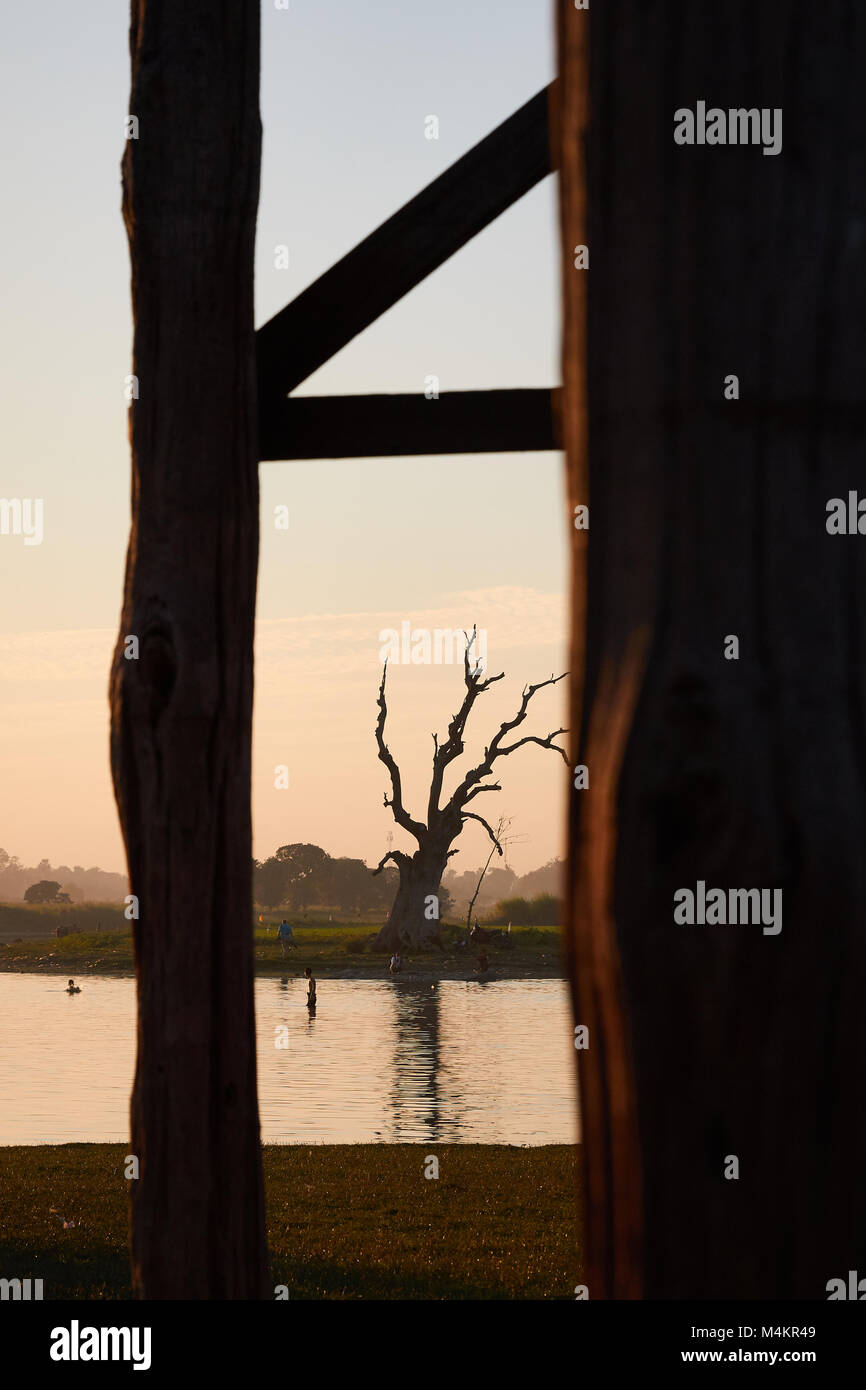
422 973
334 952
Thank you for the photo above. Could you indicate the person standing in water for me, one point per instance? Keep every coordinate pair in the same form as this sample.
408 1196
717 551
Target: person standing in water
311 990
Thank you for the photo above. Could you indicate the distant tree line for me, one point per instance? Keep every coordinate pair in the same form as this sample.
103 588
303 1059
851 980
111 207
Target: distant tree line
298 877
77 883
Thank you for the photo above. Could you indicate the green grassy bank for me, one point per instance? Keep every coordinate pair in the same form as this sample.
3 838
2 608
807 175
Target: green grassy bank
34 921
345 1221
337 949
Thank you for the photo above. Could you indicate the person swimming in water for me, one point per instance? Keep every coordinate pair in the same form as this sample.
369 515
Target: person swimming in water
311 990
72 988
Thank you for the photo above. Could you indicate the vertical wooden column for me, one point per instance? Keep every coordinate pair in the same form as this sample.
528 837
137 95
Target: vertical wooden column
612 1207
181 706
708 520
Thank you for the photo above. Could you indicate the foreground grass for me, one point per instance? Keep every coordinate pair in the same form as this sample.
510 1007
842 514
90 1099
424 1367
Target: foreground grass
340 948
345 1221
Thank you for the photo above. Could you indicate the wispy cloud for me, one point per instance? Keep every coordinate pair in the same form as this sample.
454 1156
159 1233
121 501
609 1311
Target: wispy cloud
307 647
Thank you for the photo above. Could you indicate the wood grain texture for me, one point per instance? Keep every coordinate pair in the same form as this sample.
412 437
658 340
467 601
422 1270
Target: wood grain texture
181 713
613 1207
708 519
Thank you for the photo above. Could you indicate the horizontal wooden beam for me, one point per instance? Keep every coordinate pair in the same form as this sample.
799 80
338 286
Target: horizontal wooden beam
459 422
396 257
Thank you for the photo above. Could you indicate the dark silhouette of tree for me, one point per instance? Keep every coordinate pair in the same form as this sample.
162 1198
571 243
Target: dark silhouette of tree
349 887
412 919
181 705
45 891
708 519
302 876
304 868
270 882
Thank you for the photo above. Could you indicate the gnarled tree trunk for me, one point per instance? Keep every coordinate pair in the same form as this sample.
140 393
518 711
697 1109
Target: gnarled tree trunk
181 707
414 916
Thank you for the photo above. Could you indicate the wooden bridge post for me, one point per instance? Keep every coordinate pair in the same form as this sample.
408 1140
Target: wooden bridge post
181 705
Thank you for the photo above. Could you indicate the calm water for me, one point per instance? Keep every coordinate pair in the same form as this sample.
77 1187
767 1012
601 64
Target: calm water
384 1061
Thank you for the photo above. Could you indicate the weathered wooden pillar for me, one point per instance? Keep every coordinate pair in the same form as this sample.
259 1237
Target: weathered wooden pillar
707 521
181 705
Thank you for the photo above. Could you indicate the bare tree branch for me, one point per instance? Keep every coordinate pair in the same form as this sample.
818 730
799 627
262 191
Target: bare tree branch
542 743
453 746
470 815
398 857
476 791
401 815
469 786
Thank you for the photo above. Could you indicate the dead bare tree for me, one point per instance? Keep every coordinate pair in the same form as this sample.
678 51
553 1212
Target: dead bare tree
413 918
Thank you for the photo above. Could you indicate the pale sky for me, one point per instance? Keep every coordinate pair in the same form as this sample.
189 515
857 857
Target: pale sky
439 542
